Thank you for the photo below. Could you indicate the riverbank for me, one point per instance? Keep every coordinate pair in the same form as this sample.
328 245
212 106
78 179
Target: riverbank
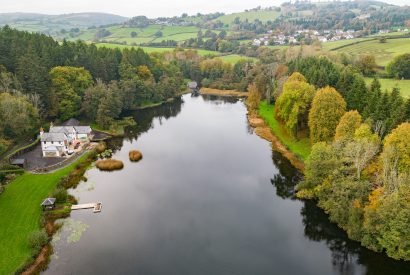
216 92
21 216
264 130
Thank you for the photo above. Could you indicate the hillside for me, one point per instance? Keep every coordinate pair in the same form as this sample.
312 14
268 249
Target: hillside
53 24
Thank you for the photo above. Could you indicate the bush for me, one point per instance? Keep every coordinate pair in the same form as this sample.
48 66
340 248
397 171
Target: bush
101 146
38 239
60 194
135 155
109 165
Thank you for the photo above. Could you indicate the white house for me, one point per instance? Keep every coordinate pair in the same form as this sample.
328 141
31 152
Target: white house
56 143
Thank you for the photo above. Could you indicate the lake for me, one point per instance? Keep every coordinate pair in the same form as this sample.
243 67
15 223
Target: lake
208 197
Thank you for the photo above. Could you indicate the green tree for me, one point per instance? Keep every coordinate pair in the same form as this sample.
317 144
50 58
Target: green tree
18 117
293 104
400 66
69 84
328 107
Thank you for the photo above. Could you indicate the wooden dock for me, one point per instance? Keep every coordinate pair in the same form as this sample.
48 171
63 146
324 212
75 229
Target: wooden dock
97 206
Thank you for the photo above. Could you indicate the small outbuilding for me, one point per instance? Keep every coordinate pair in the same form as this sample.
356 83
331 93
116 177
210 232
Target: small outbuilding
20 162
48 204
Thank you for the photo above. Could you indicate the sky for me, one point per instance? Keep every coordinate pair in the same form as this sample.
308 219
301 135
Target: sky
150 8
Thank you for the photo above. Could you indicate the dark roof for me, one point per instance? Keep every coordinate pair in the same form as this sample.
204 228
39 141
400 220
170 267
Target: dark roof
48 202
71 122
53 137
18 161
192 85
62 129
83 129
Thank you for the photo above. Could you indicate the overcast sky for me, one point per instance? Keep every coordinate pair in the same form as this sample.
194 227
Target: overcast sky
150 8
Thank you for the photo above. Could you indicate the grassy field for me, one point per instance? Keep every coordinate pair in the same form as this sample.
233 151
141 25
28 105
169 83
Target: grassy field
233 58
328 46
153 49
300 147
262 15
384 52
20 214
389 84
144 35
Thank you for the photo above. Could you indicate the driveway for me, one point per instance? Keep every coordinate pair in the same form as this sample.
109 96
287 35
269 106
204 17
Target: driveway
35 159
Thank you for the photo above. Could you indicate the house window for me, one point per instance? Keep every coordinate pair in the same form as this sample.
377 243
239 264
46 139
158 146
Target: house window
44 142
52 142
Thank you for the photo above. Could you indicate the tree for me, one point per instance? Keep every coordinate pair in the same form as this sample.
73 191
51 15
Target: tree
363 148
400 66
18 117
347 126
33 76
69 84
110 106
328 107
134 34
321 163
253 97
367 64
397 146
293 104
356 96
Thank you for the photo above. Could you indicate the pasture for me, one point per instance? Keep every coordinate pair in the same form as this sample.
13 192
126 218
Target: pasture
384 52
262 15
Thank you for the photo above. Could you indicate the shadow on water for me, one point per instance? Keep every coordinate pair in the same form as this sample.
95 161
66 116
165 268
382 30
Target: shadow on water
346 254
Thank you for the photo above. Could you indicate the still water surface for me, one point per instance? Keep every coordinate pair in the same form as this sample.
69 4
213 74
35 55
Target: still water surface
209 197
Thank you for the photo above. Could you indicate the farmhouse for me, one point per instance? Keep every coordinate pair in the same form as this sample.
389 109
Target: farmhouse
57 142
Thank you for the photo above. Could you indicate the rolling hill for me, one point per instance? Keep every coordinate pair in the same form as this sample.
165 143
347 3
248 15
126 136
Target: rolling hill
53 24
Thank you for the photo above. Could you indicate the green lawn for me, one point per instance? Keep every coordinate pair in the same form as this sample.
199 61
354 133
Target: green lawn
300 147
328 46
389 84
384 52
20 214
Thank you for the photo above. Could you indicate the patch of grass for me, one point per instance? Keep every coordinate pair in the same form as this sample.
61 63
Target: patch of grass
20 214
109 164
300 147
389 84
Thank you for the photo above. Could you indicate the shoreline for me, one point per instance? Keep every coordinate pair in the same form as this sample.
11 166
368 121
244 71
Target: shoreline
227 93
263 130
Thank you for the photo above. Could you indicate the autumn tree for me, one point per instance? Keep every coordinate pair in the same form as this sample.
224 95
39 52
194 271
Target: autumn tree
253 97
367 64
348 124
397 147
364 146
293 104
328 107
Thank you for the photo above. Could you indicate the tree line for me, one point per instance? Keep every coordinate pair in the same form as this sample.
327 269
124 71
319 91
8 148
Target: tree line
358 168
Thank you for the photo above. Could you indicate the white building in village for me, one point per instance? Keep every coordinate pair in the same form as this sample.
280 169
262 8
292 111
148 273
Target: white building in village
57 142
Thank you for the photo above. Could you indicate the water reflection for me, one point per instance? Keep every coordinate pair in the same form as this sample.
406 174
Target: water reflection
201 202
346 254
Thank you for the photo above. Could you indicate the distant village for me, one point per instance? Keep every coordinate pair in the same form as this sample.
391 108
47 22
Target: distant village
279 38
